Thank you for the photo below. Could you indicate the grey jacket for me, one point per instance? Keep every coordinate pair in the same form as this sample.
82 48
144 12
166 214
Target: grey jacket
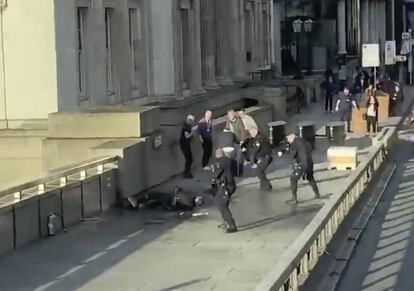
237 127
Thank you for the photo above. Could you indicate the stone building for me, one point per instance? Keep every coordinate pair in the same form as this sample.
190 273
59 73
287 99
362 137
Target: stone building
70 54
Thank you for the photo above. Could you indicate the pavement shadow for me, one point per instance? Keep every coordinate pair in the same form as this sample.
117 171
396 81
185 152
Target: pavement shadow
68 261
384 257
269 220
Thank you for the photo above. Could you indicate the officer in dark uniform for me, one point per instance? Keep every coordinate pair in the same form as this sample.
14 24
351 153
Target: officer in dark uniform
224 186
257 150
300 150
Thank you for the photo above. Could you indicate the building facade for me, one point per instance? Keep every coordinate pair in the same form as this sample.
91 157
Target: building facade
70 54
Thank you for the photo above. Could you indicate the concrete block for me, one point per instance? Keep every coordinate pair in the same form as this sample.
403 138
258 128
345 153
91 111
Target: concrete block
91 197
342 158
108 189
58 153
49 203
131 167
109 122
27 221
72 203
6 230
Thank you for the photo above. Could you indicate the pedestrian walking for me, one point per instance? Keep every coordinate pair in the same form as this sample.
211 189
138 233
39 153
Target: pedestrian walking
300 98
344 106
300 152
372 113
187 133
331 89
361 83
205 132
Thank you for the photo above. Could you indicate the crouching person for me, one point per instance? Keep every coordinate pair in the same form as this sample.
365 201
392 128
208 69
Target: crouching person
257 150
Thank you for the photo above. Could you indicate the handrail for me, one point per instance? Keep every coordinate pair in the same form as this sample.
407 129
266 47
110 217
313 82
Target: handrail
60 175
304 253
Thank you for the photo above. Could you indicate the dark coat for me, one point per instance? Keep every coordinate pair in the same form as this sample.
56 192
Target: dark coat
257 147
301 153
222 173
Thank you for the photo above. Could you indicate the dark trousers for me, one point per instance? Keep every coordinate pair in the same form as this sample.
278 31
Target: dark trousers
188 156
371 122
297 175
328 102
207 151
346 116
222 200
262 165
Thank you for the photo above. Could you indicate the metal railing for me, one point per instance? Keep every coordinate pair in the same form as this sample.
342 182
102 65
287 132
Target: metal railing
57 179
296 264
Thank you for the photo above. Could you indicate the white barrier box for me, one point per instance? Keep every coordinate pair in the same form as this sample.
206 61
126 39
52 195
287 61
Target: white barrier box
342 158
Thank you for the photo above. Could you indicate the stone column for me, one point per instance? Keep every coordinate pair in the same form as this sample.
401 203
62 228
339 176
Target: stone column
365 21
341 24
277 38
224 59
372 21
208 43
236 48
196 79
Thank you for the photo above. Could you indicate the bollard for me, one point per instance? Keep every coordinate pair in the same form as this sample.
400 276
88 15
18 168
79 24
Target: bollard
306 130
335 133
276 132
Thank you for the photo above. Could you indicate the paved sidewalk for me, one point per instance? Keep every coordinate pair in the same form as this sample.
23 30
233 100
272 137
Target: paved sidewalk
151 250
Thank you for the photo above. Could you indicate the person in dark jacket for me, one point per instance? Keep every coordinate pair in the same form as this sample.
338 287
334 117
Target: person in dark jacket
187 133
257 150
300 97
331 89
300 151
224 186
205 132
361 83
344 106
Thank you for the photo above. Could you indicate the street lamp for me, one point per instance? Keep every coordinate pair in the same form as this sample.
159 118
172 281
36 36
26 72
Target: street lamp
297 27
308 25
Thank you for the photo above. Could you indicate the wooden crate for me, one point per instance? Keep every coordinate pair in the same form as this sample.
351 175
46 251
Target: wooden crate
383 106
358 124
342 158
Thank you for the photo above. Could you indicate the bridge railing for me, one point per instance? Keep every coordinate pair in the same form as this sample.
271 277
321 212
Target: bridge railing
301 257
73 193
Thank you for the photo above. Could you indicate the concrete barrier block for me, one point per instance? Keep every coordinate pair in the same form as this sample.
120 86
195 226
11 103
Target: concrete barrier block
49 203
105 122
72 203
58 153
108 189
26 221
131 166
91 197
6 230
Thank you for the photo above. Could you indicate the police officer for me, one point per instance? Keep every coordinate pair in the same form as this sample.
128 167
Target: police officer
300 151
257 151
224 186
